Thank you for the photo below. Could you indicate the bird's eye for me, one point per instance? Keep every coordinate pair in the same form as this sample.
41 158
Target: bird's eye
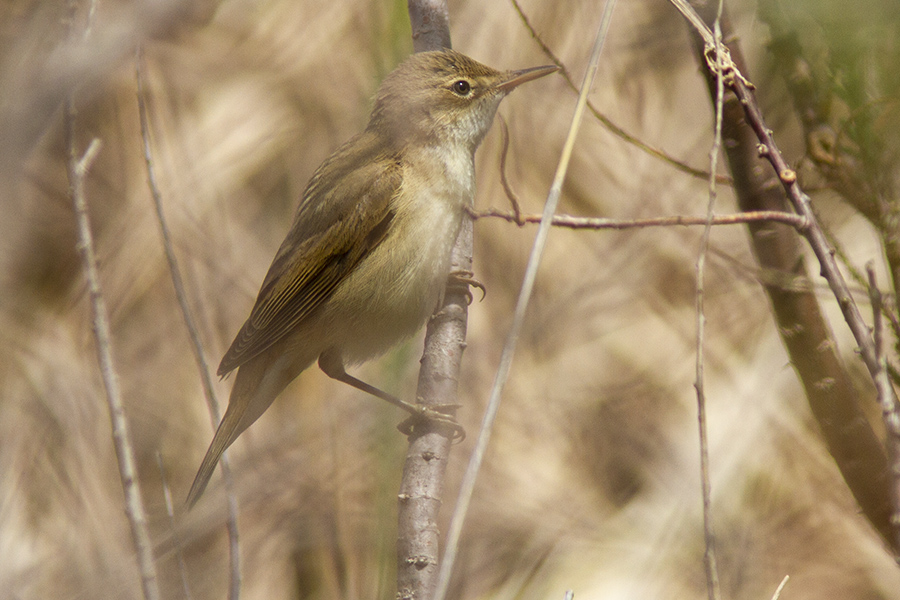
461 87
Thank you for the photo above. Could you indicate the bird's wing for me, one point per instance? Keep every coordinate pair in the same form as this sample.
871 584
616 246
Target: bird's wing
345 213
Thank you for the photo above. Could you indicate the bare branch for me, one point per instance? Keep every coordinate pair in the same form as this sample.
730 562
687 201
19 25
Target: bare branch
813 233
571 222
430 21
134 508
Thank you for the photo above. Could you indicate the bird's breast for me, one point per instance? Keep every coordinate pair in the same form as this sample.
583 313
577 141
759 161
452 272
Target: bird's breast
397 286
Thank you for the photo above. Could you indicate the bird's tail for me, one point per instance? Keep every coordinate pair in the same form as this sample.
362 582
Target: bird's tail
256 386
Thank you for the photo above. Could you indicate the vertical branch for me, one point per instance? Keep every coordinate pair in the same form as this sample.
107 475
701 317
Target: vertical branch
430 20
196 344
890 411
709 556
134 508
422 484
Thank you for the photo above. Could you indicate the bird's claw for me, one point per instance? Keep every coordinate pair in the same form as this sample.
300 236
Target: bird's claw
465 279
433 415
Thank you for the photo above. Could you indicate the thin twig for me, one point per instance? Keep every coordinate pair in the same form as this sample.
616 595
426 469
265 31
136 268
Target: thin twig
571 222
468 483
862 279
510 194
709 555
780 587
212 403
170 512
603 119
890 411
134 507
709 40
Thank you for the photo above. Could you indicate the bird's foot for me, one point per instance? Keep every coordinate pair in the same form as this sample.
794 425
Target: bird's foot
433 415
464 279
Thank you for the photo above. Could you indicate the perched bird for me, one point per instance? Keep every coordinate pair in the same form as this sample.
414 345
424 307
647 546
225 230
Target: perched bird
367 256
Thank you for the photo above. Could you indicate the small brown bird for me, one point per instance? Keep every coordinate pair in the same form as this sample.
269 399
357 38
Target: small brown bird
367 257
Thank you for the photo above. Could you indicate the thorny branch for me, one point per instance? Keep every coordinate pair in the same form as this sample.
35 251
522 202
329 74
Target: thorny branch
832 398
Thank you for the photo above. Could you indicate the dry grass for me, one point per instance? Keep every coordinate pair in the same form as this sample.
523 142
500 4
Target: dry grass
592 480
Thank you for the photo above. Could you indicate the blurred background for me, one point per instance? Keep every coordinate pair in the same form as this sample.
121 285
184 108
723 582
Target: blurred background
592 479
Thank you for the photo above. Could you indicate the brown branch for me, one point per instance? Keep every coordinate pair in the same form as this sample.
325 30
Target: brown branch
571 222
430 21
422 484
803 329
603 119
504 150
212 403
134 507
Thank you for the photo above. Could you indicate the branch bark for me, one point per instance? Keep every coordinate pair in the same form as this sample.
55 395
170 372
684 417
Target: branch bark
422 484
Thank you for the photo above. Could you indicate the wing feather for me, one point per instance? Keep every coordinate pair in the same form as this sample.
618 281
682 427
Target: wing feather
345 213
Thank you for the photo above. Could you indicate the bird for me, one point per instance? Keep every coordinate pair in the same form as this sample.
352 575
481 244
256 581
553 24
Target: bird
367 256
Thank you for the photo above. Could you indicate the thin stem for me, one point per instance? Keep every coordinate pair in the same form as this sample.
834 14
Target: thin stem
176 537
780 587
212 403
510 194
571 222
468 483
709 556
603 119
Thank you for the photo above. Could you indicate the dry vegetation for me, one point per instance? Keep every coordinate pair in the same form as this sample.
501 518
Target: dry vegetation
592 481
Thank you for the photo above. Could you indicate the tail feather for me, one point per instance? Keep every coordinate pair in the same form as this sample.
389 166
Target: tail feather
256 386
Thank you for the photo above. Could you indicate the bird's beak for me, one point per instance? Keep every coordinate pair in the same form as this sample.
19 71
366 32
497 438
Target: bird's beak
514 79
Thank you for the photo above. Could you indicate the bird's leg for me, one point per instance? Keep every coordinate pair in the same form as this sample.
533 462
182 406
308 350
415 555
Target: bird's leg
333 366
